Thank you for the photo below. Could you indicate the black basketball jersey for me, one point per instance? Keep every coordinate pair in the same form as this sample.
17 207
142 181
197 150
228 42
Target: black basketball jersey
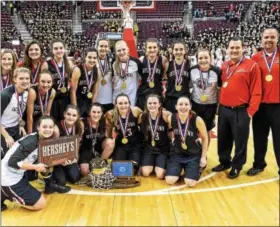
93 134
37 107
132 132
57 80
144 88
63 131
82 89
161 136
193 148
171 78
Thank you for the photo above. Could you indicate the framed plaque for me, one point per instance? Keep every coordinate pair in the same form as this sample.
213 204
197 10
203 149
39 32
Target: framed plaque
58 151
122 168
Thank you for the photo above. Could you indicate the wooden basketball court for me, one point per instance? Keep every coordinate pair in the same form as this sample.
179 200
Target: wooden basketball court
216 200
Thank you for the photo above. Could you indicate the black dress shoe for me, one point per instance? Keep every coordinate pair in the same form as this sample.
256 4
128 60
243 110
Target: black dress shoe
254 171
233 173
3 206
220 167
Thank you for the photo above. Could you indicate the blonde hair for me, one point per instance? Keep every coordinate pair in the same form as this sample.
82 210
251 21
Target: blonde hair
117 63
21 70
14 65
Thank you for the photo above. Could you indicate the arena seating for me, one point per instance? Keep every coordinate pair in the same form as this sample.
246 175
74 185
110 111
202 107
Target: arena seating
164 9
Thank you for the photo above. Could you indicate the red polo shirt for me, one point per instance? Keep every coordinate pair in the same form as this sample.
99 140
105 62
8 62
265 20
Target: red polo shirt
244 85
270 89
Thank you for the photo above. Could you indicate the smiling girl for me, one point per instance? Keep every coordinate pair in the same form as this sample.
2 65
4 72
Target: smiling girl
205 80
71 125
177 77
96 141
84 83
33 60
186 152
13 101
8 66
40 99
124 119
154 126
20 158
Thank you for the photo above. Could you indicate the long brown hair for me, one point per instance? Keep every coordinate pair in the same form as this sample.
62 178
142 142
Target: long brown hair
116 114
65 60
78 123
146 113
27 61
102 120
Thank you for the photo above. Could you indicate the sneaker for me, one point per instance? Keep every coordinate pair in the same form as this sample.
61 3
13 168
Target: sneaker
52 187
3 206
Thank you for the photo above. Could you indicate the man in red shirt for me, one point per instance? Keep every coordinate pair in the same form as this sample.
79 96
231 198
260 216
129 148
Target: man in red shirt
268 115
240 98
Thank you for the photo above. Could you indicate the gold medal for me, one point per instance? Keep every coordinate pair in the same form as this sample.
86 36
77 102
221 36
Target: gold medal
123 85
89 95
63 89
184 146
203 98
225 84
124 140
151 84
103 82
269 78
178 87
153 143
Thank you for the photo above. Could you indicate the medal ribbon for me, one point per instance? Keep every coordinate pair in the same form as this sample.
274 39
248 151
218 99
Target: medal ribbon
89 81
124 71
178 80
152 74
183 134
91 132
4 83
123 129
103 67
43 106
66 129
61 76
269 66
203 84
35 73
153 130
20 105
228 75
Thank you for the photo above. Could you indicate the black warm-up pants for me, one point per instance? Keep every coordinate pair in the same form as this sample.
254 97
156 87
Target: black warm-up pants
233 125
268 116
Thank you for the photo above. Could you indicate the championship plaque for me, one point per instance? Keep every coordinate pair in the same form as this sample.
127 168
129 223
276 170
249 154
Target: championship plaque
122 168
58 151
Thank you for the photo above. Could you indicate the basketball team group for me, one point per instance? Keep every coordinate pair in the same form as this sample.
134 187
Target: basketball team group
157 113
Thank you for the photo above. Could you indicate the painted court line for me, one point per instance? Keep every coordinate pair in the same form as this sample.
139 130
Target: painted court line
142 193
166 192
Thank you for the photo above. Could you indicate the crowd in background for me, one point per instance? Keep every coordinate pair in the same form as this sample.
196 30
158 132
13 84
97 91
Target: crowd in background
42 27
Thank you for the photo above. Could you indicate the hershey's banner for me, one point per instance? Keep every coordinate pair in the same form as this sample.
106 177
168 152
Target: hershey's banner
58 151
